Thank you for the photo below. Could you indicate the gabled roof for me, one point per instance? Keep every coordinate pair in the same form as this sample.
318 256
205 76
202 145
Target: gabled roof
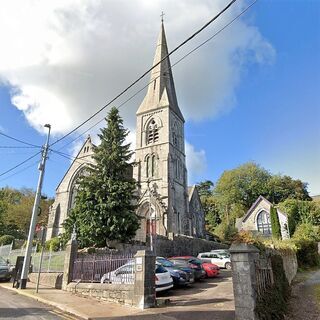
79 156
260 198
161 91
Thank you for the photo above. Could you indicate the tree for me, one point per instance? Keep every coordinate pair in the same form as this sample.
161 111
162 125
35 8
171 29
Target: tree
280 188
275 224
242 185
205 188
105 203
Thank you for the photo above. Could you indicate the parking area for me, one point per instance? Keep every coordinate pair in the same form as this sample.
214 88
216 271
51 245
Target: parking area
208 299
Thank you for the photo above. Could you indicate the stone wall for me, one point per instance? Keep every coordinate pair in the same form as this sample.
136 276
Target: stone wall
175 245
290 262
51 280
121 293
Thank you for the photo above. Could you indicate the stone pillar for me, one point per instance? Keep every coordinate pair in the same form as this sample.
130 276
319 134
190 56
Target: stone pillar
70 256
243 257
144 284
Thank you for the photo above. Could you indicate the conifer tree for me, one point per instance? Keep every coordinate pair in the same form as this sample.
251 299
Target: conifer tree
275 224
105 203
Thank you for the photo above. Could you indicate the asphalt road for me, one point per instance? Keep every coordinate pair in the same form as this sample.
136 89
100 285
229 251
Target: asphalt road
16 306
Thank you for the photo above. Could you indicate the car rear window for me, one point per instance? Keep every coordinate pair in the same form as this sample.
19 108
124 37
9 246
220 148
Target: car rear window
160 269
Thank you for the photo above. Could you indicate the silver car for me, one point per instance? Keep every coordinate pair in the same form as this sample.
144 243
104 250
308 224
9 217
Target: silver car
5 270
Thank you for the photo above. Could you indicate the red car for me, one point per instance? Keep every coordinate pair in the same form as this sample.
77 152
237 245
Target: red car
212 270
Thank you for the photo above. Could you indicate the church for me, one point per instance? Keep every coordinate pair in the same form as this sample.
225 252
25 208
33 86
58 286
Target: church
166 204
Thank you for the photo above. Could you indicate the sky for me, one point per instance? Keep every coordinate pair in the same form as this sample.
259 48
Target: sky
249 94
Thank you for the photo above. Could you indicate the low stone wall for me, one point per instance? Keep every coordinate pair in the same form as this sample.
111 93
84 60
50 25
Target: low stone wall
290 263
121 293
175 245
180 245
51 280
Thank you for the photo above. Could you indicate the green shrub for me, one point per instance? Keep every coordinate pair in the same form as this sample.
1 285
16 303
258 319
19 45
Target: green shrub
225 231
307 254
275 224
53 244
307 231
272 305
6 239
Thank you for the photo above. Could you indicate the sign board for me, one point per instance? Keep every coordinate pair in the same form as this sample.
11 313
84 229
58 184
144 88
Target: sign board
139 264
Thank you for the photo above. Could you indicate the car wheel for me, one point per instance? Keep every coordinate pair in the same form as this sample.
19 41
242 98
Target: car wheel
228 265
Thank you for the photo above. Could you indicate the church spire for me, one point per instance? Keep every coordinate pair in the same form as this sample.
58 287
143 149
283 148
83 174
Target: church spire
161 91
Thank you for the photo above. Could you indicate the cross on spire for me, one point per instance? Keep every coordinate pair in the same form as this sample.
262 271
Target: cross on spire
162 15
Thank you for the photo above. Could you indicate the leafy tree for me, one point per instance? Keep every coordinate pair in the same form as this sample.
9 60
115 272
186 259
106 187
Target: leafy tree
280 188
241 185
104 208
307 231
275 224
205 188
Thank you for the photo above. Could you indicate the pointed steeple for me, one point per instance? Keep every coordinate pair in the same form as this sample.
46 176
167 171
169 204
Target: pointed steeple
161 91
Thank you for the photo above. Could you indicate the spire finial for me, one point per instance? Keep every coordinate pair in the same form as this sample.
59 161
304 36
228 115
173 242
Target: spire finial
162 15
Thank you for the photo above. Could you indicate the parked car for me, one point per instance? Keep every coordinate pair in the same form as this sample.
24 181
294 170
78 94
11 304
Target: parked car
193 263
5 270
181 275
221 260
221 251
125 274
211 269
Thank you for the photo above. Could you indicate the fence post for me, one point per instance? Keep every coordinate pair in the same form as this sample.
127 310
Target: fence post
70 255
243 258
144 284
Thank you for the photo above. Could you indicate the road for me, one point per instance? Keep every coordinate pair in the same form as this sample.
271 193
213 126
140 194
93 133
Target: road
16 306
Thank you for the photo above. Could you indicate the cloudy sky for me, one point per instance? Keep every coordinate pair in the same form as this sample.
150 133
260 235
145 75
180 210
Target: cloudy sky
249 94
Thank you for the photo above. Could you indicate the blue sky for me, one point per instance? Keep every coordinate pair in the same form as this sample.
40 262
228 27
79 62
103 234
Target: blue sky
270 115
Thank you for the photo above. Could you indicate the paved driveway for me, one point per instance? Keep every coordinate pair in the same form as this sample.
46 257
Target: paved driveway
210 299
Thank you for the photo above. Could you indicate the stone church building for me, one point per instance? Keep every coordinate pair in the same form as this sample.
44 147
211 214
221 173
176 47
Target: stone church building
166 205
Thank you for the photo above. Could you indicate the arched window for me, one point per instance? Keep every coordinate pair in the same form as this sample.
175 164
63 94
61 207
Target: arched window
152 132
75 185
175 135
263 223
151 166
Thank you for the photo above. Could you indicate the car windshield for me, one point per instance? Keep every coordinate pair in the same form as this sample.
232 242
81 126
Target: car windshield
3 262
165 263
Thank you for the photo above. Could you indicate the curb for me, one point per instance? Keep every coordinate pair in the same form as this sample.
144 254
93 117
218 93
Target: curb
48 302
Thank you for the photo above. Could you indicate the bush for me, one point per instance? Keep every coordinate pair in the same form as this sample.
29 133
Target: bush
53 244
225 231
6 239
307 254
307 231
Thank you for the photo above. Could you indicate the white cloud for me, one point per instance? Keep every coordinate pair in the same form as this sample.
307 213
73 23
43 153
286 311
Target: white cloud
64 59
196 163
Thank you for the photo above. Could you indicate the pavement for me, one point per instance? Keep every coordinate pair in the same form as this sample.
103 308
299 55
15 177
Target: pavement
210 299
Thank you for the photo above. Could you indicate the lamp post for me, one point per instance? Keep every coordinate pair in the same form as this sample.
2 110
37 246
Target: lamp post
26 261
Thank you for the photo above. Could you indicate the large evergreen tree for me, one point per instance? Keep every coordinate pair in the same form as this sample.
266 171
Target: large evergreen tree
105 203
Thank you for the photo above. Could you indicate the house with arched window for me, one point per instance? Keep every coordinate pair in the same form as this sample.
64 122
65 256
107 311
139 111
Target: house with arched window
257 219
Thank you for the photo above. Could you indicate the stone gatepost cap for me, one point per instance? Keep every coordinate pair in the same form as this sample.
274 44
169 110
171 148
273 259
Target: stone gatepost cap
243 248
143 253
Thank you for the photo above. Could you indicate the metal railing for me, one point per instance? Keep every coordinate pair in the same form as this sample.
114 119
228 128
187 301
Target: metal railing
264 276
51 261
112 268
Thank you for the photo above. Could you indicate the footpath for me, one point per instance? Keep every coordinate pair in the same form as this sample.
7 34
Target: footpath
81 307
304 303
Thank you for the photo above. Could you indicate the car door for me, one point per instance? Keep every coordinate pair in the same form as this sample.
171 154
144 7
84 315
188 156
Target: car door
216 260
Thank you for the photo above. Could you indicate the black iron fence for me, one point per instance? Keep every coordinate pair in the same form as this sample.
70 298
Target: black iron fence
111 267
264 276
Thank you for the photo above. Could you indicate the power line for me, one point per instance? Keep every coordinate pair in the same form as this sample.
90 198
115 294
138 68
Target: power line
22 170
147 72
20 164
69 157
173 65
18 140
18 147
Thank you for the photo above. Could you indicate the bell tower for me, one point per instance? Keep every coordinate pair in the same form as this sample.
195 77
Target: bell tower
160 153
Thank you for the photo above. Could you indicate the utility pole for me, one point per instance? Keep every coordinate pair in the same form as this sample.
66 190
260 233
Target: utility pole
26 261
